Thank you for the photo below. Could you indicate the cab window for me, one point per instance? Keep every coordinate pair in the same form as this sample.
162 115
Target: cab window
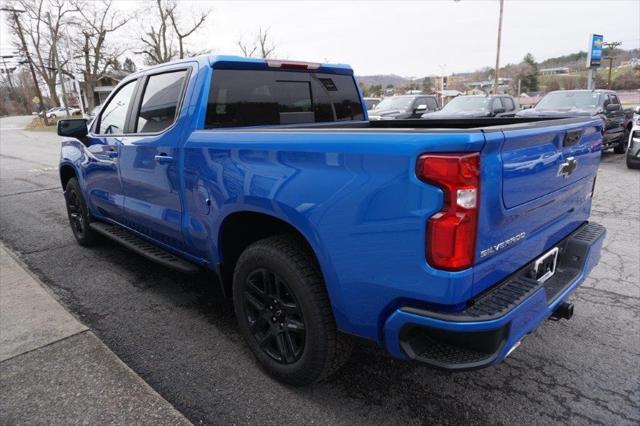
160 101
114 113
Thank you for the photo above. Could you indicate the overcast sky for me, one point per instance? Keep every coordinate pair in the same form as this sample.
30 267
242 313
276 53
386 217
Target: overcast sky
410 38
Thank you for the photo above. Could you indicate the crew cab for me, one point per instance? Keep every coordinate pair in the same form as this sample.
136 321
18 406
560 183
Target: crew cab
445 242
603 104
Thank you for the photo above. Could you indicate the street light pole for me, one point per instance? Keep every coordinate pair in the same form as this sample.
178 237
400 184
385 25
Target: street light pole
496 83
15 13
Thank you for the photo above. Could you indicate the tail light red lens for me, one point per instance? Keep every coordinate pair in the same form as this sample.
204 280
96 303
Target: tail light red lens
451 233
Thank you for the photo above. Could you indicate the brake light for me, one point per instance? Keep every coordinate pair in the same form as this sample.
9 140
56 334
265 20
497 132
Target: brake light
451 233
292 65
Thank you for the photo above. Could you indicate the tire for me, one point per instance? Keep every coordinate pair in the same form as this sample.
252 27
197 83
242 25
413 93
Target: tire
621 147
79 216
284 314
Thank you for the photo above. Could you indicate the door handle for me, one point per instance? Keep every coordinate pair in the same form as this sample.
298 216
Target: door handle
163 158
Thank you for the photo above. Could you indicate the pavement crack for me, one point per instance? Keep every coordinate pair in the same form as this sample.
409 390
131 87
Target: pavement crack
28 192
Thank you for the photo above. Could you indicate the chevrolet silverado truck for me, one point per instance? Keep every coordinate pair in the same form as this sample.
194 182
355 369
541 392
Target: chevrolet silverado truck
446 242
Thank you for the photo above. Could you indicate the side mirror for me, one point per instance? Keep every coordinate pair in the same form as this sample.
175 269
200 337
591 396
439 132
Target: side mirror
498 110
73 128
421 108
612 107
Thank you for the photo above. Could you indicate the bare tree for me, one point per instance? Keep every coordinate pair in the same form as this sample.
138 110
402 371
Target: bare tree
183 34
97 19
261 45
43 24
159 41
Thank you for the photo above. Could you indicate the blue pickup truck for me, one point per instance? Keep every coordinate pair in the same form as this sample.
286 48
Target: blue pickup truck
444 241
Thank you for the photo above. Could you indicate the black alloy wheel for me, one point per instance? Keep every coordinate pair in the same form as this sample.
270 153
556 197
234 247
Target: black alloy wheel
79 216
274 316
284 313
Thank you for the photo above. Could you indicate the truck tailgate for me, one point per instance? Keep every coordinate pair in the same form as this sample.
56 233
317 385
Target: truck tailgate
542 160
536 188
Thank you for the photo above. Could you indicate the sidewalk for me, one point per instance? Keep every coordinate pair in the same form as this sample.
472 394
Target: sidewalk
53 370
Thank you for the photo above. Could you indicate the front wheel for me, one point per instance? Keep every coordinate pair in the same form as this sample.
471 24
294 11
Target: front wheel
284 312
79 216
621 148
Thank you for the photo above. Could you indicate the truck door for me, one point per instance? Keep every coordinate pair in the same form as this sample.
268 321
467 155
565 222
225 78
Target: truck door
150 158
103 188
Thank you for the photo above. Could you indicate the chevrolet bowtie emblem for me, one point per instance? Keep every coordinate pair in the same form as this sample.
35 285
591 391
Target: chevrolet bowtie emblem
568 167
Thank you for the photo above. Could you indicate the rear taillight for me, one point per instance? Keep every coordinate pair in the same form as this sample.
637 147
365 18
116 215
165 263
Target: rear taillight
451 233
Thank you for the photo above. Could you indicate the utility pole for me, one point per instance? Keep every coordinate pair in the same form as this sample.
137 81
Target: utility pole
611 45
496 82
16 19
7 71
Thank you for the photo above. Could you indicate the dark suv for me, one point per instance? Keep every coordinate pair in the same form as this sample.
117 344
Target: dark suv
476 106
586 103
405 106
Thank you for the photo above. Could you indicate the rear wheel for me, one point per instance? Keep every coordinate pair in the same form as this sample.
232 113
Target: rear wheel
79 217
284 313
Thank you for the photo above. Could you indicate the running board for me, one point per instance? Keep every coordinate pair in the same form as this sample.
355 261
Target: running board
143 247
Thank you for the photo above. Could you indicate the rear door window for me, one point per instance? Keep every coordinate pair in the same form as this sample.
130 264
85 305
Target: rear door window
432 105
508 104
255 98
160 101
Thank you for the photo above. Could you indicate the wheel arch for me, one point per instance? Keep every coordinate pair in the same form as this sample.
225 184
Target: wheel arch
240 229
67 171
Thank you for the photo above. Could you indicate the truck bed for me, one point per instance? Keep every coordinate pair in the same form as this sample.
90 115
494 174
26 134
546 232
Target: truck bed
487 124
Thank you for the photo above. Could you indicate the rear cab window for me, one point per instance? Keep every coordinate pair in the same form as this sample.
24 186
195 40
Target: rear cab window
240 98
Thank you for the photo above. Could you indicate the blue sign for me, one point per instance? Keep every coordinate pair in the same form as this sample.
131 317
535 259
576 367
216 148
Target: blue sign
595 50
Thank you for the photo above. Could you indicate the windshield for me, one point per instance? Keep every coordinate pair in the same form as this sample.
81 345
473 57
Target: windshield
468 103
569 100
399 102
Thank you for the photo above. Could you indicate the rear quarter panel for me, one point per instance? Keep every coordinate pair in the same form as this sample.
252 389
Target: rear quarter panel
354 196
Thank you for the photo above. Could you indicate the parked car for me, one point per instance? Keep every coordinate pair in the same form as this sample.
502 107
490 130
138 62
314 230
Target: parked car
59 112
48 112
633 150
422 236
476 106
603 104
371 103
405 106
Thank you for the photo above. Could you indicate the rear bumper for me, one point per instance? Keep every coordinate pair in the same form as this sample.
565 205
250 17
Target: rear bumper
496 321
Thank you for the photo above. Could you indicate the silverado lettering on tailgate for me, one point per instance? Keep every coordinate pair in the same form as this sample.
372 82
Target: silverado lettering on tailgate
503 244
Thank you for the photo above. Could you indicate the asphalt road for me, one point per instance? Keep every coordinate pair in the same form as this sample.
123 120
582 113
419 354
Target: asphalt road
179 334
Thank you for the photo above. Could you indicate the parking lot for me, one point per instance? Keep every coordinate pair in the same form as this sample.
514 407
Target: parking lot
179 334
